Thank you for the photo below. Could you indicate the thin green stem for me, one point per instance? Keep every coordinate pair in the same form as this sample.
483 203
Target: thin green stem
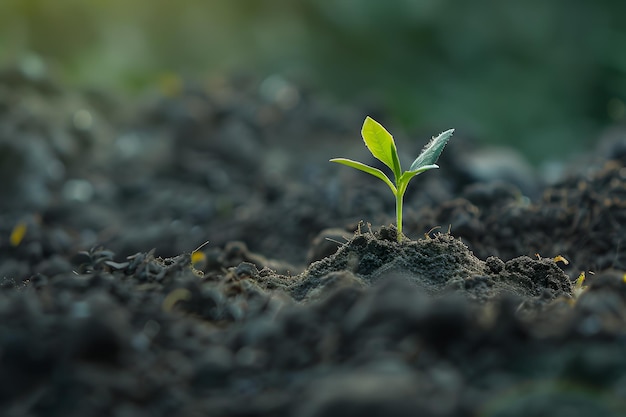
399 197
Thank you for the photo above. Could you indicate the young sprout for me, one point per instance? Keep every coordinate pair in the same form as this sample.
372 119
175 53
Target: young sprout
381 144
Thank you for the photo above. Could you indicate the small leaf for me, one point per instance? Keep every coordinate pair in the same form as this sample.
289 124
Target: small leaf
431 152
366 168
381 144
407 175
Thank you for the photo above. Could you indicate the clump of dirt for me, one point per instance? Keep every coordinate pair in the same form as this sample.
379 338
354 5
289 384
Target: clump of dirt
581 217
437 265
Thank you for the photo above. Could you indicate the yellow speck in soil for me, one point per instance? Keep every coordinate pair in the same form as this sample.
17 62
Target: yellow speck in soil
560 258
17 234
179 294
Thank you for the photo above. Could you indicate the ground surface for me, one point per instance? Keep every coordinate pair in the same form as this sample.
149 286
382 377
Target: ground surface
294 307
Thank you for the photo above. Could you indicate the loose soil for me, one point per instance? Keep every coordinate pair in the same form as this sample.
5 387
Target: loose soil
302 303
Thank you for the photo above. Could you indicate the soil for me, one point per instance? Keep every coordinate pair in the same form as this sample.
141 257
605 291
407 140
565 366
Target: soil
303 302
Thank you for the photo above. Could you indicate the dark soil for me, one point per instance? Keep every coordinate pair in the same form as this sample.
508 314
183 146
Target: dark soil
294 307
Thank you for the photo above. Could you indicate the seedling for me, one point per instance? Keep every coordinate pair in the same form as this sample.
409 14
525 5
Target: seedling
381 144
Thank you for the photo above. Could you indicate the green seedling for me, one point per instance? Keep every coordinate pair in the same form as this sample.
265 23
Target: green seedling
381 144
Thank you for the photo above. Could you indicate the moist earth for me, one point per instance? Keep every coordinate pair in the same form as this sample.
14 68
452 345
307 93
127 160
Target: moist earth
192 253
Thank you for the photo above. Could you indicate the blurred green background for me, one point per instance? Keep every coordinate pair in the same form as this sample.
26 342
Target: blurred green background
545 77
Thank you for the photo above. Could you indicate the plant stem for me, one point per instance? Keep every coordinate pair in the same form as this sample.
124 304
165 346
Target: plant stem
399 197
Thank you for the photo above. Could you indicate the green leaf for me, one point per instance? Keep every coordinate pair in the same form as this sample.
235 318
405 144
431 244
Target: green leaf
431 152
366 168
381 144
407 175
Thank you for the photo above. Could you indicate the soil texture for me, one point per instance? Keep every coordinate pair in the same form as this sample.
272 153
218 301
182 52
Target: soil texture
193 253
